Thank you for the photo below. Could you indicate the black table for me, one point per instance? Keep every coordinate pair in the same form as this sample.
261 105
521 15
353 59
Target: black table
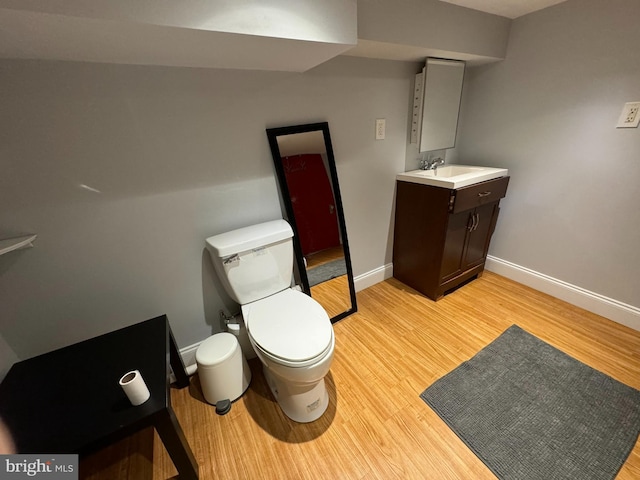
69 400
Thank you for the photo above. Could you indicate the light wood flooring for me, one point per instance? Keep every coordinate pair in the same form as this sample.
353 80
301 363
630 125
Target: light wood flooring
333 295
324 256
377 427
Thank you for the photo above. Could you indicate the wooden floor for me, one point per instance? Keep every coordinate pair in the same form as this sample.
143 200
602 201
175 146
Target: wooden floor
376 426
324 256
333 295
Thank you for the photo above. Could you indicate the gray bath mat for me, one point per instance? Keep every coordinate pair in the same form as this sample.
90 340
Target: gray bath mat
326 271
529 411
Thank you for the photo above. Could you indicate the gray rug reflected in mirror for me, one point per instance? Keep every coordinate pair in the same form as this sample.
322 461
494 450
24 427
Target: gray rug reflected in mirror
530 411
326 271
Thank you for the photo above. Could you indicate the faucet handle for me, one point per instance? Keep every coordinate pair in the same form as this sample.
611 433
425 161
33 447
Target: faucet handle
431 162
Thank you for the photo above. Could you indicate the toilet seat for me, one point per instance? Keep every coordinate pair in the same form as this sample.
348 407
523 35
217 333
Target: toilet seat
289 327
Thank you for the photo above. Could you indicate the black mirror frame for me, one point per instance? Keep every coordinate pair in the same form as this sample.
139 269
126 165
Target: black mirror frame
273 134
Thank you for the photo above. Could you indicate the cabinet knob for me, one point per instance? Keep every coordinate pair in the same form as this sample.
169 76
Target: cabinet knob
484 194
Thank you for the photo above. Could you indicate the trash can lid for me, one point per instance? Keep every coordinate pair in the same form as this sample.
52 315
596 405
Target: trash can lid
216 349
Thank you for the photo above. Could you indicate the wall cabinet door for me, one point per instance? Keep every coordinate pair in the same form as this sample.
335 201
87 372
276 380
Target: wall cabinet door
442 82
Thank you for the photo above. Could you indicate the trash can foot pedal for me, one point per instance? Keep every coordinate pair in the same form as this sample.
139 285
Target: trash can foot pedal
223 406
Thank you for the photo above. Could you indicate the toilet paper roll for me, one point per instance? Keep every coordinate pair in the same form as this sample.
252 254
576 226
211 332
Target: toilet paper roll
134 387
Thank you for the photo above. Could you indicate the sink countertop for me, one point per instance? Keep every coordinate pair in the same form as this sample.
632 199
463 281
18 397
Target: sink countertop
453 176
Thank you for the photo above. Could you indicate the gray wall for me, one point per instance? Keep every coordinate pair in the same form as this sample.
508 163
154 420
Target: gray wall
548 113
178 154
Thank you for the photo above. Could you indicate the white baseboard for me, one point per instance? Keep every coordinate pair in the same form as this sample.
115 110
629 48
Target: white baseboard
372 277
594 302
188 354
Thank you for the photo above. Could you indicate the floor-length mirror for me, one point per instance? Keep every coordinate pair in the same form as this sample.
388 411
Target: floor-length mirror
308 181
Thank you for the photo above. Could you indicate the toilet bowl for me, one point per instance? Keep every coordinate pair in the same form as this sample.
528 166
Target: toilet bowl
293 338
290 332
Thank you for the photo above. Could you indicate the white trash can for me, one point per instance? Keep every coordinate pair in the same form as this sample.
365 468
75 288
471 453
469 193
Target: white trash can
223 370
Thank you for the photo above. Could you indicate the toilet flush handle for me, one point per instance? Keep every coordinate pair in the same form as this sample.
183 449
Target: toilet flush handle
233 258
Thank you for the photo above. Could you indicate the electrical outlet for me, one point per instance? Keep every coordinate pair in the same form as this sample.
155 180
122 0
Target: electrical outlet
380 128
630 116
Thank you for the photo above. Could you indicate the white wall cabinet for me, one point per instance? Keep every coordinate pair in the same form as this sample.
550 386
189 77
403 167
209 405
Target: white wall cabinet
442 92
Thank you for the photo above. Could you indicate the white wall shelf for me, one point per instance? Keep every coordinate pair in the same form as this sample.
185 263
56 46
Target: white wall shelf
9 244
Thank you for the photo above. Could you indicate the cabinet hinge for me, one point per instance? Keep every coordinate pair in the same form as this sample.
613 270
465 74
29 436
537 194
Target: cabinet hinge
452 200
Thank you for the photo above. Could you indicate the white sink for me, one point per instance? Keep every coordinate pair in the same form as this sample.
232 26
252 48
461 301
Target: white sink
453 176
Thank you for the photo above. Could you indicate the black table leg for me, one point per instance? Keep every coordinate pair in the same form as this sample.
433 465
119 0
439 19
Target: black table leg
182 379
176 444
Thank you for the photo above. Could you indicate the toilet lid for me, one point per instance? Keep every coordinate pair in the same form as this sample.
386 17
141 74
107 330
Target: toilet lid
289 325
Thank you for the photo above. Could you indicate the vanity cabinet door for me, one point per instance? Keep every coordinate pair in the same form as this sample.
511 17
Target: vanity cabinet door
480 235
454 244
467 240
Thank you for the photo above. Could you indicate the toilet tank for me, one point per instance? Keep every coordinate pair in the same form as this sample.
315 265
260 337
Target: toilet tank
253 262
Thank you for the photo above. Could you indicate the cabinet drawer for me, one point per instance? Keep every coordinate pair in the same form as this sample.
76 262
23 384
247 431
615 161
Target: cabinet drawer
473 196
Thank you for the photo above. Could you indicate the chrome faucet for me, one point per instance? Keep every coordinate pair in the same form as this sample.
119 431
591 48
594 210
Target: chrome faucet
431 163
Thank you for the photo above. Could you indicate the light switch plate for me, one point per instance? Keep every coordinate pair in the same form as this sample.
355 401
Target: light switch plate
630 116
380 128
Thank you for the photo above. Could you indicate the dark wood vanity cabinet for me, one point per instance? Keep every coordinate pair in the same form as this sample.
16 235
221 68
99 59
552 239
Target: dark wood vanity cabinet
442 236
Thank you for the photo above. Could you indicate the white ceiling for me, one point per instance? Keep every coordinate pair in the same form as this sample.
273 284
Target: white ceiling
506 8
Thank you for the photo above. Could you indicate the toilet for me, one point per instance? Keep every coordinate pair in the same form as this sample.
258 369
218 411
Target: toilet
290 332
